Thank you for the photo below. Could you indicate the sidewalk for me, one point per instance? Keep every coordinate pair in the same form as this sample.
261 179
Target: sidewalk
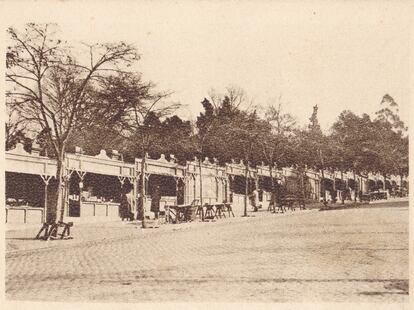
352 204
20 239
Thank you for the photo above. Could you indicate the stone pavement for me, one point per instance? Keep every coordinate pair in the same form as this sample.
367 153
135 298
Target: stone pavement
356 255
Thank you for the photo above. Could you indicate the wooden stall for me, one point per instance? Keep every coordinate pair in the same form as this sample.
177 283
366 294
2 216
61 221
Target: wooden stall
29 182
168 174
214 182
96 184
264 182
237 173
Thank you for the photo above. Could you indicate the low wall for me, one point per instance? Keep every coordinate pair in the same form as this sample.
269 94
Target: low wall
91 211
165 200
99 209
24 215
238 204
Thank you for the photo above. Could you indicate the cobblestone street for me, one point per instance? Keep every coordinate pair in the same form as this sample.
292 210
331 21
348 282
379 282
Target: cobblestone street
355 255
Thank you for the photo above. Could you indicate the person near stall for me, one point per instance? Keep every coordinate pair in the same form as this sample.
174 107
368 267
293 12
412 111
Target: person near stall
155 201
255 200
126 206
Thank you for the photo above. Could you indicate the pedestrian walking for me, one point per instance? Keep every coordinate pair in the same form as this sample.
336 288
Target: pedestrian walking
155 201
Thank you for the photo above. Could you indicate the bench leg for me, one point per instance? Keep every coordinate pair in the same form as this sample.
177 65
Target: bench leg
52 232
44 228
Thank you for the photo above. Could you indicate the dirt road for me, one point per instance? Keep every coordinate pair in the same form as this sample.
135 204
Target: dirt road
356 255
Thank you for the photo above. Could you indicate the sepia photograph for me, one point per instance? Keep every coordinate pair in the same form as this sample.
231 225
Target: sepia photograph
238 152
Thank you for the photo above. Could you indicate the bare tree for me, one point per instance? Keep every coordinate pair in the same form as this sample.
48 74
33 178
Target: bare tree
275 146
50 89
14 130
282 123
236 97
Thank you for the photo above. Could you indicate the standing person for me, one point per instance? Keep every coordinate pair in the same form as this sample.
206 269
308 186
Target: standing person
255 200
123 207
280 195
131 206
155 201
272 203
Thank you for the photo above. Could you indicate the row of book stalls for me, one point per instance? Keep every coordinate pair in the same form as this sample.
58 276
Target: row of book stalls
95 184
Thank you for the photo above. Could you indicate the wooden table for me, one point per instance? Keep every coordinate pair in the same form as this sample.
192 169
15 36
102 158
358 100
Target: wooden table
290 201
218 210
182 213
185 213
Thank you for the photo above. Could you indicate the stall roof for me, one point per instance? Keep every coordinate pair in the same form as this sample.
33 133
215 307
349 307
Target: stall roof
20 161
161 166
100 164
208 168
239 168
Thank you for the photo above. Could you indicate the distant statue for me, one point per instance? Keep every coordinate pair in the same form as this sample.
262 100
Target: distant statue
314 125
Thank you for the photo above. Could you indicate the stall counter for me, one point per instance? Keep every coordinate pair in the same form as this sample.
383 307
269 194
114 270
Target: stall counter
99 209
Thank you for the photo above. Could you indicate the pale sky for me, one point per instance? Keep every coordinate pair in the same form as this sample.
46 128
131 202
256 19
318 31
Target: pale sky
345 55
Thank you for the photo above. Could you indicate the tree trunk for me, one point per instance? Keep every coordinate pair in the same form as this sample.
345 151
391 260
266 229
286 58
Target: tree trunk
323 186
323 177
201 188
60 173
54 205
303 173
342 188
246 189
272 184
141 208
355 195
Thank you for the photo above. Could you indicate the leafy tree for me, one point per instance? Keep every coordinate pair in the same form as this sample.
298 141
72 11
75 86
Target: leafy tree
204 124
140 119
177 138
342 160
226 132
391 147
241 137
208 139
313 148
356 138
389 114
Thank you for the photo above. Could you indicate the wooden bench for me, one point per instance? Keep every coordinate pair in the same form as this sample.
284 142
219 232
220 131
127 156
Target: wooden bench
51 231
